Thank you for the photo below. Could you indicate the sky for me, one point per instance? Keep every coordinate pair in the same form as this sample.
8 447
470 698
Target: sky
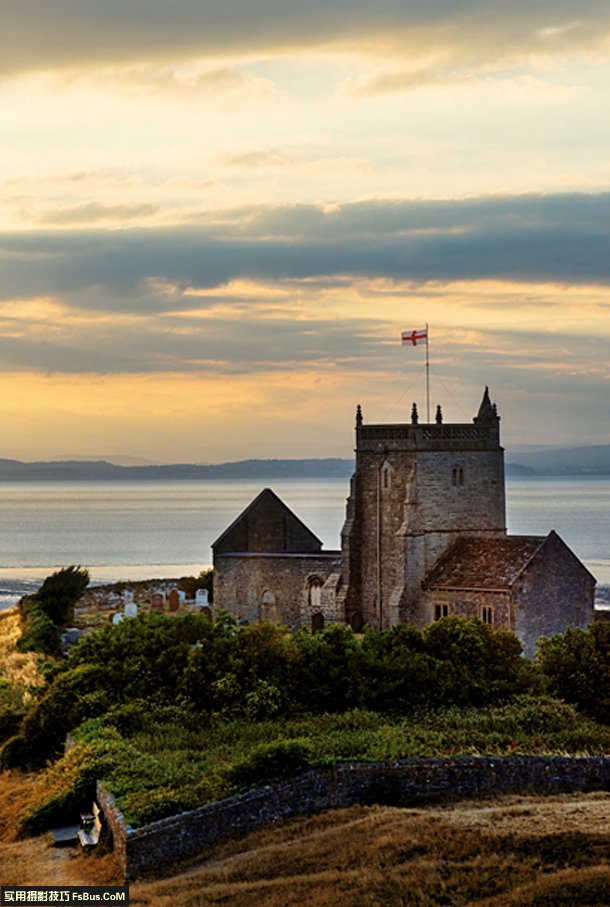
217 217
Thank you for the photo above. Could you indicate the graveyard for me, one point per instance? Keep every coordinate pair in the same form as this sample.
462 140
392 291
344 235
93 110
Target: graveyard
115 602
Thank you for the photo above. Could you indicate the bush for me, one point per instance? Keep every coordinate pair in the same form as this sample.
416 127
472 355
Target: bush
41 634
271 762
72 697
329 669
478 664
576 665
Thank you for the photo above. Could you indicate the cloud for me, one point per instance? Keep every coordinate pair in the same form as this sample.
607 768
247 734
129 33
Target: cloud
67 33
564 239
194 81
90 212
269 289
258 158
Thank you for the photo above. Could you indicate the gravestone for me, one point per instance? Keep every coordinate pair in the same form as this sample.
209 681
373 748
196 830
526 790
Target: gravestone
174 599
131 609
116 619
157 601
201 598
127 596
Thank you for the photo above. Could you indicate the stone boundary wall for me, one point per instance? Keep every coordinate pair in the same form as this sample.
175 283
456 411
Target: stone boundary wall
407 783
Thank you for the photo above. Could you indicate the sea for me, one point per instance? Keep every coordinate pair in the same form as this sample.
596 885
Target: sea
164 529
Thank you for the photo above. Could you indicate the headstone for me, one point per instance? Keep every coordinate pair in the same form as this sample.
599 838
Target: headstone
174 600
201 598
72 635
131 609
116 619
157 601
206 611
182 596
127 596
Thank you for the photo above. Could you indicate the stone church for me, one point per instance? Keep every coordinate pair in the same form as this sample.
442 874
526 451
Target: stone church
424 537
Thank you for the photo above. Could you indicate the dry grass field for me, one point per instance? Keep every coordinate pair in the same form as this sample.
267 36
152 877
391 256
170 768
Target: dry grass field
16 667
510 852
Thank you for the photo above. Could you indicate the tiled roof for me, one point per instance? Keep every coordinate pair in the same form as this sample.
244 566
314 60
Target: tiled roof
484 563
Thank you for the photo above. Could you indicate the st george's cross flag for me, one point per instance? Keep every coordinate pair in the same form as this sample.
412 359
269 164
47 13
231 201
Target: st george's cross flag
412 338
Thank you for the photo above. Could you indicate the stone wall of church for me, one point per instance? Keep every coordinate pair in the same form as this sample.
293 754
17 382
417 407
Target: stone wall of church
409 507
377 545
461 491
287 588
557 593
494 607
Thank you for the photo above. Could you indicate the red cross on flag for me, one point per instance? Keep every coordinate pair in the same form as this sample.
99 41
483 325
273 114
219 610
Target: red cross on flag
412 338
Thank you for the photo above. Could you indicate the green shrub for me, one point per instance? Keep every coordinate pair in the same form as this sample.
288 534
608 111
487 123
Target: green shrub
73 696
576 665
271 762
40 634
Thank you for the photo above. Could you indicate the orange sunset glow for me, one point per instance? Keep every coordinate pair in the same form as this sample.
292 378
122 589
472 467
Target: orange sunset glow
217 218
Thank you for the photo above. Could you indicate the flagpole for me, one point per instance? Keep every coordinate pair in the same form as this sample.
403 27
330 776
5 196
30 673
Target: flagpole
427 374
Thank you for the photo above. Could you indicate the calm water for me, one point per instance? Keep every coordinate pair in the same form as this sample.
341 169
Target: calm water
165 529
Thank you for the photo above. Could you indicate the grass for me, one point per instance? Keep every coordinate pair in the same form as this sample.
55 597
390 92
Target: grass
511 851
502 852
16 668
168 764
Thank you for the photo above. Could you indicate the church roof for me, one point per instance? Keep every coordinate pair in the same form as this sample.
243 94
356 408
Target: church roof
267 525
480 563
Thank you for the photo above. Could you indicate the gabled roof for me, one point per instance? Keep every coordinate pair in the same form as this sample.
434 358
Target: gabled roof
484 563
264 503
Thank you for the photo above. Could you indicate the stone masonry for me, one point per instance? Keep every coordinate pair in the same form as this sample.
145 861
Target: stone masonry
424 537
146 849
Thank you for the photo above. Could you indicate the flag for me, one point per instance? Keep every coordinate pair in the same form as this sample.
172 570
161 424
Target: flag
412 338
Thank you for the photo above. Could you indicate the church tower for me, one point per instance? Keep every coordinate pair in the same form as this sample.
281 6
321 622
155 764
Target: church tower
416 489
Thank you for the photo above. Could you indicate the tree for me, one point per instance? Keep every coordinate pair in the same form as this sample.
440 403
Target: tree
60 592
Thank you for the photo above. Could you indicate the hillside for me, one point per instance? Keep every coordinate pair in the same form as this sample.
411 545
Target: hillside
100 470
573 461
508 852
577 461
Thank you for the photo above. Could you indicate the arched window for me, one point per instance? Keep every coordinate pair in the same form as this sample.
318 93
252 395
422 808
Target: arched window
268 607
487 614
457 476
314 593
386 476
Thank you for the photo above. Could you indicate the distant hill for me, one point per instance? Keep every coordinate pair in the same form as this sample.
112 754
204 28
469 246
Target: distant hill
573 461
100 470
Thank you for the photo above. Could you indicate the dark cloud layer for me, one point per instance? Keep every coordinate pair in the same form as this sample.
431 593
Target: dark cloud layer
144 282
563 239
38 34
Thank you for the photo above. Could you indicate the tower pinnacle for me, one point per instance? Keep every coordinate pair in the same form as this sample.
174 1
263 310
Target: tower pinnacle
487 411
